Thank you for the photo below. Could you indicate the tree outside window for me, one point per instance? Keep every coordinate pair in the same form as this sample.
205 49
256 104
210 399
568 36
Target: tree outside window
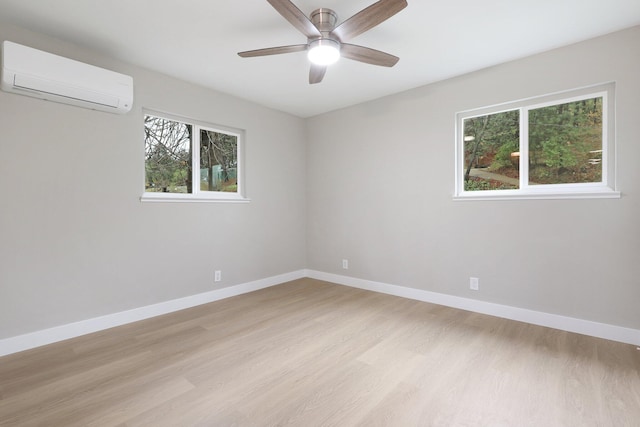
170 153
529 148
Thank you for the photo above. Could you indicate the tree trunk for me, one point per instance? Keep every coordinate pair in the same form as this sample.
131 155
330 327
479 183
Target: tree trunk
190 165
475 148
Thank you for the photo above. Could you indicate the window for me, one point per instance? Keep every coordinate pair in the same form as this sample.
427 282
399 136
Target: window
557 146
173 146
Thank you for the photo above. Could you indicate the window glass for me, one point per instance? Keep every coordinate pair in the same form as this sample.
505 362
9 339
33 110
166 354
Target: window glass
218 161
167 155
555 146
565 143
491 151
192 161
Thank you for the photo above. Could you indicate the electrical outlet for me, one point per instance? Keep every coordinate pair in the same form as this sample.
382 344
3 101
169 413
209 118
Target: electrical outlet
218 276
345 264
474 283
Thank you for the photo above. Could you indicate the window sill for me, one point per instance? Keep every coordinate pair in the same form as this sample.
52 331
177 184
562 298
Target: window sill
190 198
591 193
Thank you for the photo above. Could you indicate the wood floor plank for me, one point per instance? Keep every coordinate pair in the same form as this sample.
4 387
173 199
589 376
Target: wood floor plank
310 353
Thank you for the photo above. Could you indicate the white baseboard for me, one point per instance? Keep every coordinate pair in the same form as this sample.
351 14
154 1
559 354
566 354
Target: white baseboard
570 324
72 330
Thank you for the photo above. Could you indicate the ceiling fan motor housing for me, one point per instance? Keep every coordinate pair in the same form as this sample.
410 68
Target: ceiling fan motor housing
324 19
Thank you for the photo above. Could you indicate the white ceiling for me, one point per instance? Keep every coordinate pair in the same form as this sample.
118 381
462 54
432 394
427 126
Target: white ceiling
197 41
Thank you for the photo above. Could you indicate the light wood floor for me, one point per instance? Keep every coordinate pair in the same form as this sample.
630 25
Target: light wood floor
310 353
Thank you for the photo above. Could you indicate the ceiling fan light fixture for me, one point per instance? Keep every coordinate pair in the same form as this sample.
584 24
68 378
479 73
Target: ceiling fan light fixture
326 41
324 51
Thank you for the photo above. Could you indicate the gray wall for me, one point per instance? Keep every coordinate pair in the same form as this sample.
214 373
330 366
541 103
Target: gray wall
76 242
372 183
381 178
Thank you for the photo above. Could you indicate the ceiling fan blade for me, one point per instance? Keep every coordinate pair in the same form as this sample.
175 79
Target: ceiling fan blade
368 18
273 50
316 73
295 17
368 55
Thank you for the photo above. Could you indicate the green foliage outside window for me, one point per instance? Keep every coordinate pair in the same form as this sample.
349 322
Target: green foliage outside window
565 143
564 146
491 143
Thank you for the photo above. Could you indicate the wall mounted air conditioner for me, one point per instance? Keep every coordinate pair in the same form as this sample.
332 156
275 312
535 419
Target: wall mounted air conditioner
32 72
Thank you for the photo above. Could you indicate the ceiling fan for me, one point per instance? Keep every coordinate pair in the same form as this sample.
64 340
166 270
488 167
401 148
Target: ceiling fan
326 40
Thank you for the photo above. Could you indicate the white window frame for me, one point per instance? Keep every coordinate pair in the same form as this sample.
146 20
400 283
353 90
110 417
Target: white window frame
604 189
198 195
